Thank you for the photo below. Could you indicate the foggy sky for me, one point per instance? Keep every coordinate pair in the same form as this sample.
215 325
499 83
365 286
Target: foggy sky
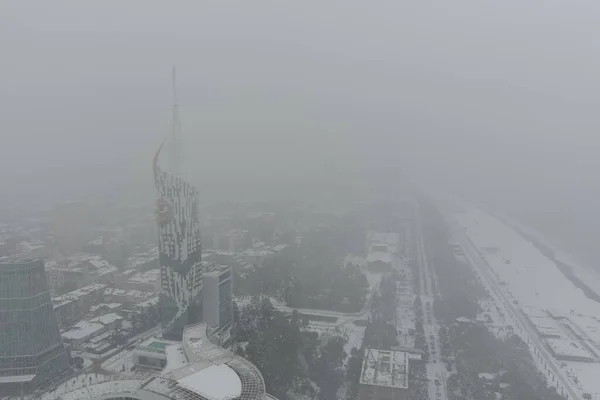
497 100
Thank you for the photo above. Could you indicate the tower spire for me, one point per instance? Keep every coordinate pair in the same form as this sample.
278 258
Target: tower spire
176 146
176 124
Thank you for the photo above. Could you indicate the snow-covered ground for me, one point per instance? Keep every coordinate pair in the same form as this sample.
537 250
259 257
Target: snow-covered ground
494 319
531 278
560 312
116 362
355 338
582 271
79 381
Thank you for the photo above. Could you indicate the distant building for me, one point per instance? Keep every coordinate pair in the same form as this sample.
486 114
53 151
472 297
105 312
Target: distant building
233 241
31 349
71 307
383 246
217 296
148 281
144 261
81 270
384 375
33 250
129 298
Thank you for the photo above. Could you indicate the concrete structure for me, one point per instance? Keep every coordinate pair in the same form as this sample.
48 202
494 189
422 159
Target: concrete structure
217 295
195 369
31 349
85 330
383 246
384 375
179 252
151 354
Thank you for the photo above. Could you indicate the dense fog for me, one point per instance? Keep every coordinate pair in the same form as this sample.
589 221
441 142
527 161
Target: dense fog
490 101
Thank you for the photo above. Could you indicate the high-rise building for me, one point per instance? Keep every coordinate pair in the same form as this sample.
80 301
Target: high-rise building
179 252
31 348
217 295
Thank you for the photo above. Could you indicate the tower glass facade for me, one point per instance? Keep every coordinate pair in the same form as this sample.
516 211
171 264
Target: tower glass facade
31 348
179 252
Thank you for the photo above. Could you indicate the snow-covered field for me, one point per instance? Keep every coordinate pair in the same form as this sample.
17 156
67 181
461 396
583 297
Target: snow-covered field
586 274
532 279
553 304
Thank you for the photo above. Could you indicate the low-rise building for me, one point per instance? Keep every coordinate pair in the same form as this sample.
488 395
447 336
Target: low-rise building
80 270
71 307
147 281
383 246
127 297
151 355
85 330
384 375
81 332
105 308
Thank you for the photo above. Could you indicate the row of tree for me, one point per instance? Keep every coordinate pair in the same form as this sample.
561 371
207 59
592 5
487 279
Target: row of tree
312 275
291 358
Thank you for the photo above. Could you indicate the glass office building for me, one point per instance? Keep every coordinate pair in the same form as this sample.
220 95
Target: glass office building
31 348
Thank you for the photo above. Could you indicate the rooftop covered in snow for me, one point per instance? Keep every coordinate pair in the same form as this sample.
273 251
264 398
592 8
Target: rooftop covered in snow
385 368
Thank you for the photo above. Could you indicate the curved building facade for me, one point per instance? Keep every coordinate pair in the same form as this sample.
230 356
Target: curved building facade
179 252
31 348
201 370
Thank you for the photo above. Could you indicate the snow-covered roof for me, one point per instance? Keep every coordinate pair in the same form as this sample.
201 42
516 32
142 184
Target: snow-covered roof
82 329
150 276
107 319
211 373
385 368
176 357
379 256
76 294
217 382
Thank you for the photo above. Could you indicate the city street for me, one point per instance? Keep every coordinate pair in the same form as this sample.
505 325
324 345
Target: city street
436 370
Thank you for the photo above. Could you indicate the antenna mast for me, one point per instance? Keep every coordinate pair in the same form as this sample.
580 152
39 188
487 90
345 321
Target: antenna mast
176 124
175 145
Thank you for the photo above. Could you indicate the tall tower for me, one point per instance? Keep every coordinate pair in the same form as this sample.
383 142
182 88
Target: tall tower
178 240
31 348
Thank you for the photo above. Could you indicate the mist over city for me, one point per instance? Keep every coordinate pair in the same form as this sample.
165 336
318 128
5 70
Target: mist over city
297 201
